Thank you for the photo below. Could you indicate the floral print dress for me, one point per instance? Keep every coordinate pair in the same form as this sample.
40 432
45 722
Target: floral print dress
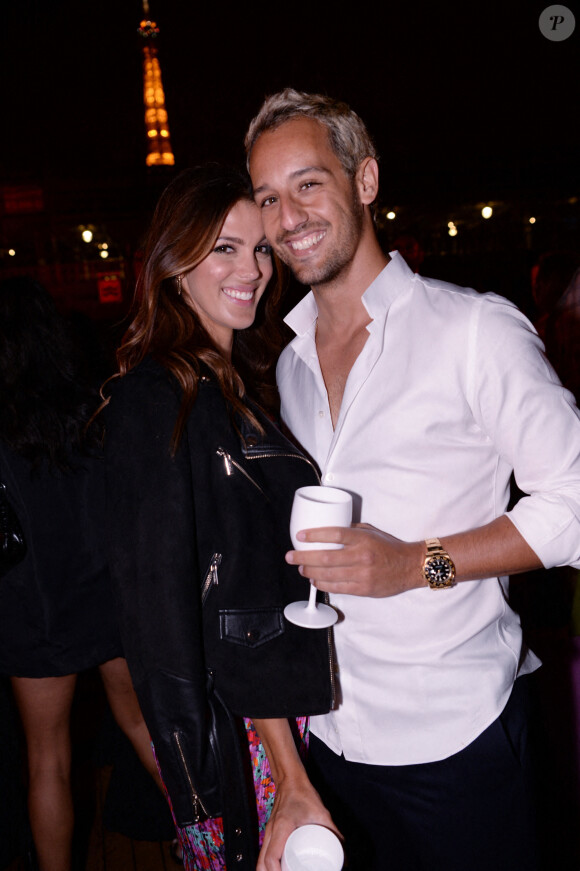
203 844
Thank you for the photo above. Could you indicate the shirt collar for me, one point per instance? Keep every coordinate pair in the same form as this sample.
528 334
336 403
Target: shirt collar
377 298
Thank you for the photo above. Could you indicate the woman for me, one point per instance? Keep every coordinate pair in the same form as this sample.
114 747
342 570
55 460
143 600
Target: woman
200 488
55 605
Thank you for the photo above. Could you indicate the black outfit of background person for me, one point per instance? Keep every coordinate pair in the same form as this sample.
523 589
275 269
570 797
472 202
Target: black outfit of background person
56 613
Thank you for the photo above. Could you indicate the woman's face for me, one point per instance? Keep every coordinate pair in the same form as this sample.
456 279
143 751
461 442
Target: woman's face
225 288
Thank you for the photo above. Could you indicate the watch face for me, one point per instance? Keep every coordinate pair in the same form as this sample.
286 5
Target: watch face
439 570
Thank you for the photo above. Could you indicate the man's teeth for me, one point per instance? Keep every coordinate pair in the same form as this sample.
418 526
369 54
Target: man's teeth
239 294
307 242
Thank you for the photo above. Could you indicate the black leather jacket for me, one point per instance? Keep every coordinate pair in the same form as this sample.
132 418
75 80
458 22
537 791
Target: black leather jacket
197 545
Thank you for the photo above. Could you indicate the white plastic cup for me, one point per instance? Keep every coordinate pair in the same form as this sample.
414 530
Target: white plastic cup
315 507
312 848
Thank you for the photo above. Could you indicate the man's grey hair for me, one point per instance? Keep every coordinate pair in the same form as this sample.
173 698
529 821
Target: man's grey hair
347 134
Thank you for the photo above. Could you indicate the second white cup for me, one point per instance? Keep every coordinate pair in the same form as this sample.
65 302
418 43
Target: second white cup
312 848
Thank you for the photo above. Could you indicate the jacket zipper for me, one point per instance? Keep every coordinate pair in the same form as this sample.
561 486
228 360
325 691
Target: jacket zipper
196 800
275 454
231 464
211 576
331 660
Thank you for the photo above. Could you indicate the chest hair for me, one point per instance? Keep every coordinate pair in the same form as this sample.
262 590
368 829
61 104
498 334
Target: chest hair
336 360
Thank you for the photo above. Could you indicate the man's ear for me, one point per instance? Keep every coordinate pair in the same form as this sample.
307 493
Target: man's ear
367 180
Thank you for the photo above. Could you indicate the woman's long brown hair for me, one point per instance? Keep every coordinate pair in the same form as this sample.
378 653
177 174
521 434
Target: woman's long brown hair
186 224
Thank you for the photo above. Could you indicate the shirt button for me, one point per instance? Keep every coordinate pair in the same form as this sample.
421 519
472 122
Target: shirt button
329 477
321 413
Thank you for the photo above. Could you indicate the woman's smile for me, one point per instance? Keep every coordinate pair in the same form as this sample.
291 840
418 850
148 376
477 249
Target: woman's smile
226 287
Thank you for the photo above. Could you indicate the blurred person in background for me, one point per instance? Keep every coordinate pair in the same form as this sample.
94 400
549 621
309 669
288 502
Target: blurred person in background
56 614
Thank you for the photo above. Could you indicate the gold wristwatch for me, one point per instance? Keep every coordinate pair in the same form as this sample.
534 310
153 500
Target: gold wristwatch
438 569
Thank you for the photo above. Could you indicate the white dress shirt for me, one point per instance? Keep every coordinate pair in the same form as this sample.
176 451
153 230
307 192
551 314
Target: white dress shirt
450 393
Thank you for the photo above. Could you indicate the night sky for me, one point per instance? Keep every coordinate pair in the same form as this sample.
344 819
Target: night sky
467 100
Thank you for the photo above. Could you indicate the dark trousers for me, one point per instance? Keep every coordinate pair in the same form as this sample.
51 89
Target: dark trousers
470 812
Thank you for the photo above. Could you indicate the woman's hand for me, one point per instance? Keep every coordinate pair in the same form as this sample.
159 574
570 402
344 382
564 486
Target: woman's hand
296 804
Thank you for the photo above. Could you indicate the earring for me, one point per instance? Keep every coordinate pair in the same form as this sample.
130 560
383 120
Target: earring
179 280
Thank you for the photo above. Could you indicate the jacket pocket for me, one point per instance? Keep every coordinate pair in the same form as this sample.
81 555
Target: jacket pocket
251 628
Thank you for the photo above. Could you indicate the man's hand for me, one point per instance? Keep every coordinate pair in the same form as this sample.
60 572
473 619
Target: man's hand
371 563
297 804
374 563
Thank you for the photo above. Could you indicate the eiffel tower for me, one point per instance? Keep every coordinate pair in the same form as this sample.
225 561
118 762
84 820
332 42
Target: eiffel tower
159 151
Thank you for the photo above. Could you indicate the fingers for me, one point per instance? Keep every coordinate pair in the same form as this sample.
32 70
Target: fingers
265 860
321 558
348 587
275 837
326 534
272 854
368 564
322 555
334 578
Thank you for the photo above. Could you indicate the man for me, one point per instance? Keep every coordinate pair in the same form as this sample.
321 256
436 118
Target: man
420 398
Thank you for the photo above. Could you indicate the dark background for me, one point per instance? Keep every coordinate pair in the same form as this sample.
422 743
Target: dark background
469 105
468 100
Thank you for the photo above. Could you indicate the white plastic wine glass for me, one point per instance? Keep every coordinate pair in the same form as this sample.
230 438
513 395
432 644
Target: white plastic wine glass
315 507
312 848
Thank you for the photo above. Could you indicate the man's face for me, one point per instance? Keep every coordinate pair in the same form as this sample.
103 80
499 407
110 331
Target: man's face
311 209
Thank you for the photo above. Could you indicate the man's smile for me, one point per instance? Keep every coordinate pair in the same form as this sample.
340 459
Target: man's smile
307 242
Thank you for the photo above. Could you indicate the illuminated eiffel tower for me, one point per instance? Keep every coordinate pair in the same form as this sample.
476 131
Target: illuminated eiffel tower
159 151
